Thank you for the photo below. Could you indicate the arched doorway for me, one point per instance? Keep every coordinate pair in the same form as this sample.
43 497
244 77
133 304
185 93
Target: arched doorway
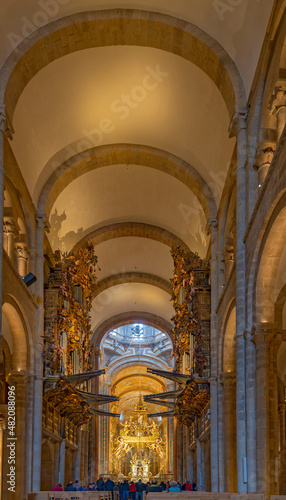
139 446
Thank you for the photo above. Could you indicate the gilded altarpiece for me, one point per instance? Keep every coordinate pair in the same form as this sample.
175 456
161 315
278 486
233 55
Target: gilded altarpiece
138 448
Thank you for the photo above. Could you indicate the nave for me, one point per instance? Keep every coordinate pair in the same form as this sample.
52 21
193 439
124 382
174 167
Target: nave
142 245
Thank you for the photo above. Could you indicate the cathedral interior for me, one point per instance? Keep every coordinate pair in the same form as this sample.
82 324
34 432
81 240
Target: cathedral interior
143 244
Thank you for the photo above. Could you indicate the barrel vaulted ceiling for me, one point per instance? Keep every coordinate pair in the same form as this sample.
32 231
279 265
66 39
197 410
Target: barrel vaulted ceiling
126 144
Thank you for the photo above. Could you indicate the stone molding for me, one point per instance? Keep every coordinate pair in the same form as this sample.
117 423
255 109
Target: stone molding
124 153
120 27
125 278
135 229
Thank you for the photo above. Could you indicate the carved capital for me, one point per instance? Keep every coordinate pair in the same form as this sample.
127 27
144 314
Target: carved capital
9 226
278 98
42 222
263 333
22 250
238 122
228 253
212 225
227 377
264 156
5 125
17 377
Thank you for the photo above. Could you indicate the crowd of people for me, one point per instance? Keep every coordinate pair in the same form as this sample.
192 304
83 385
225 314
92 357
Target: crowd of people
128 490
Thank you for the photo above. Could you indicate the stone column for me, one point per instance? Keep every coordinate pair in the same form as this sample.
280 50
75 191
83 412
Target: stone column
10 231
62 461
273 414
238 128
22 258
282 458
38 387
78 453
262 335
227 380
5 131
213 344
199 479
228 256
188 467
251 413
221 273
221 436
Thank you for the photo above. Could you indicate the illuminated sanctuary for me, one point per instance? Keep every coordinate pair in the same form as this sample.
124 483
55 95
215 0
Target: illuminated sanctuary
143 244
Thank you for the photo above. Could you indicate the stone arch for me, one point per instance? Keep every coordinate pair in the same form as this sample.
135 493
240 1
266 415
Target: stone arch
128 319
18 328
120 27
137 229
119 279
116 154
148 361
273 241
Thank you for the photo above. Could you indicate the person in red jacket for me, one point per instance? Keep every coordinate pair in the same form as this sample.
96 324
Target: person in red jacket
133 490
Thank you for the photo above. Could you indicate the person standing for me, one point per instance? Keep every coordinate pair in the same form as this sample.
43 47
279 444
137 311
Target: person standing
140 487
133 490
100 484
125 490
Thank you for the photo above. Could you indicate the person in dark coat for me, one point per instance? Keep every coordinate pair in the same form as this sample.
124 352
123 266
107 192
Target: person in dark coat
125 490
163 486
100 484
140 487
153 487
69 487
108 485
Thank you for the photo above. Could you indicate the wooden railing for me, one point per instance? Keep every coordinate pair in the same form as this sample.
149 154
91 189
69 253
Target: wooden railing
73 495
184 495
